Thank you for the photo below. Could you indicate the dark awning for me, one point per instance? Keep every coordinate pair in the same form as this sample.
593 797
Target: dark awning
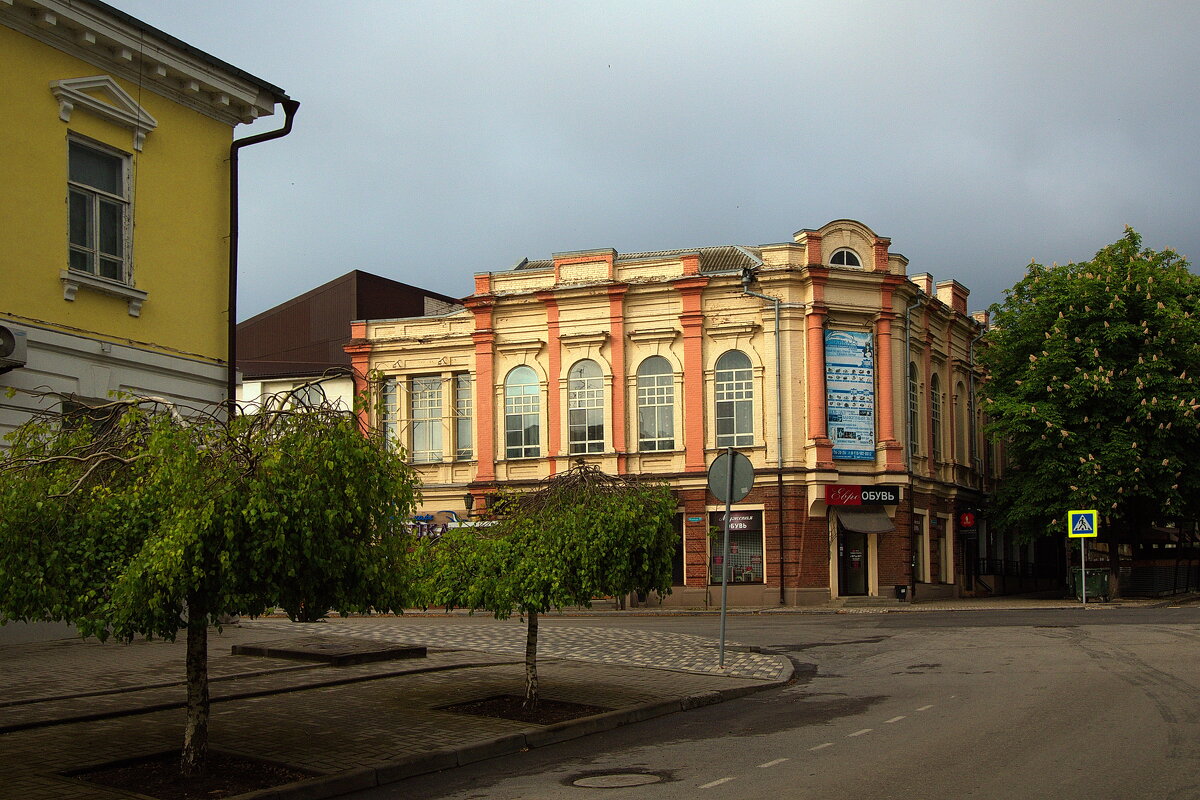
865 520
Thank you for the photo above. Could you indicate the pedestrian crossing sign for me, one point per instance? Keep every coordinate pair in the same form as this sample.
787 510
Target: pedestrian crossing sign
1081 524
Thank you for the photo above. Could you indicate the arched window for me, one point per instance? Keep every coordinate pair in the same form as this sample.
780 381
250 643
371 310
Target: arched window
655 405
522 414
845 258
914 409
935 416
585 408
735 400
960 423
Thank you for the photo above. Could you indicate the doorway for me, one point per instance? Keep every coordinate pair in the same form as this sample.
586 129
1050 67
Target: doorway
852 564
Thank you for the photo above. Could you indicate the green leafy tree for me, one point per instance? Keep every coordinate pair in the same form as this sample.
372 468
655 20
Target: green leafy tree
581 534
1090 371
136 521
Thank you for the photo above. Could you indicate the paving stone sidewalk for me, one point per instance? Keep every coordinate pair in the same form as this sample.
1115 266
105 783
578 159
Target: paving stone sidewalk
357 726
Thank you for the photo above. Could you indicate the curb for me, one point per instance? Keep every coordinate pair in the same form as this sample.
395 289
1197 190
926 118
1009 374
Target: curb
389 772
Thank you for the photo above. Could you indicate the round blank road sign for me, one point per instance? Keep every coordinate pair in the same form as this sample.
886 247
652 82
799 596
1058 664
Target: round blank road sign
718 477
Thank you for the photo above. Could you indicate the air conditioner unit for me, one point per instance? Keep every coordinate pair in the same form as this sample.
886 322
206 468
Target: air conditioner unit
12 348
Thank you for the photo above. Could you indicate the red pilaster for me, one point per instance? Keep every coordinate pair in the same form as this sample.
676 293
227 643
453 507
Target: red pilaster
359 350
691 318
484 337
616 325
892 450
554 398
880 247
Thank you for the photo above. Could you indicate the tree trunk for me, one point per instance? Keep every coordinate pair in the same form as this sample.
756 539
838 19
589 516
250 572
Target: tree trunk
531 678
1114 570
194 758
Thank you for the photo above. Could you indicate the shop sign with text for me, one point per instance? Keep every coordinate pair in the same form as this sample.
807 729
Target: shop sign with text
848 495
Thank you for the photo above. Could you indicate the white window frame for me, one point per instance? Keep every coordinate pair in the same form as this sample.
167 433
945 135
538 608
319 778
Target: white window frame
935 417
522 405
96 199
733 390
585 408
425 415
656 400
914 409
846 258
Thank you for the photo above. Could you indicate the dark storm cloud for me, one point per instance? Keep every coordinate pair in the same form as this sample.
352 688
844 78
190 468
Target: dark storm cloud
440 139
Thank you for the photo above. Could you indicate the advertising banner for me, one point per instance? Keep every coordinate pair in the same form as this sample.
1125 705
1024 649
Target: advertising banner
850 394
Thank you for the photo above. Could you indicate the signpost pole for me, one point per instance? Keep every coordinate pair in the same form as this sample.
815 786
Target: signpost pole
725 560
1083 568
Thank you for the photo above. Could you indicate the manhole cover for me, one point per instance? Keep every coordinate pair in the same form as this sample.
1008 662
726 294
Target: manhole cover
617 780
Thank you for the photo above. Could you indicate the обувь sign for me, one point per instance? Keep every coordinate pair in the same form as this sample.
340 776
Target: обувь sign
846 495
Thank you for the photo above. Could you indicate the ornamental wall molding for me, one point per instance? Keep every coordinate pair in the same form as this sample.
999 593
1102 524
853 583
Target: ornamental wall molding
158 63
120 108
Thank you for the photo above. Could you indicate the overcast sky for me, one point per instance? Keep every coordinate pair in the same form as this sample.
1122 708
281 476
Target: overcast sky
440 139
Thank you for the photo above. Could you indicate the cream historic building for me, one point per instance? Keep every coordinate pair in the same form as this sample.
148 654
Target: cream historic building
847 382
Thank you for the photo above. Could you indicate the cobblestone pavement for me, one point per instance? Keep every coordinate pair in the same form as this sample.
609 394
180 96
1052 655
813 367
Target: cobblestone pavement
652 649
72 704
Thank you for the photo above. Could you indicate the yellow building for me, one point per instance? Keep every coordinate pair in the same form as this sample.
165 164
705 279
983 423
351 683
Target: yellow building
848 384
114 246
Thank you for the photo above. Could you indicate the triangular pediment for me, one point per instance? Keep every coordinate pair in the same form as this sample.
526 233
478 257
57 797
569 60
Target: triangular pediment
102 96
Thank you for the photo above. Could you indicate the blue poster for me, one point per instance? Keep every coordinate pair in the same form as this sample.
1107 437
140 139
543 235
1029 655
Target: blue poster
850 394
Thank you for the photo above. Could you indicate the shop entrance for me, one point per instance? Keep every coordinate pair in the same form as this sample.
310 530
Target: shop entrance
852 564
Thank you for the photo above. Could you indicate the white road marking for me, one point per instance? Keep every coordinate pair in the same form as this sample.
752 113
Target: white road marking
895 719
717 782
859 733
774 763
924 708
822 746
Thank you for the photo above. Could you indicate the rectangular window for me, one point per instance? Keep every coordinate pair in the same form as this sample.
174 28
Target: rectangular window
98 212
656 412
463 431
735 409
918 545
745 546
678 572
425 406
387 411
522 423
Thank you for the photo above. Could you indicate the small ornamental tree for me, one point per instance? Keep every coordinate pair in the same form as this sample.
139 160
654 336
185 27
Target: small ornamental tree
579 535
136 521
1089 383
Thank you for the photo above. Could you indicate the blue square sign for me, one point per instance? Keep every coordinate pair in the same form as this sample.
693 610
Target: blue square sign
1082 524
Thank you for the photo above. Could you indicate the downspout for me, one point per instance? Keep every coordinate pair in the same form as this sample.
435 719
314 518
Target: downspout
917 300
974 410
289 107
747 279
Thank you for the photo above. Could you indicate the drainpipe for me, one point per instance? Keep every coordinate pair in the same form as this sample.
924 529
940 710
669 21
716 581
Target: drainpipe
747 279
917 300
971 395
289 107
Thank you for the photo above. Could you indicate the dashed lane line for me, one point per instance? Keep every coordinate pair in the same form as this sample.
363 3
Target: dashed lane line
863 732
822 746
717 782
895 719
774 763
924 708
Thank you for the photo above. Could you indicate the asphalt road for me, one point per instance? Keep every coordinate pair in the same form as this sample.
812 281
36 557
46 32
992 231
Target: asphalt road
1065 704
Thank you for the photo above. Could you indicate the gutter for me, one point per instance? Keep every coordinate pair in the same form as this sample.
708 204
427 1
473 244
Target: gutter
289 107
747 279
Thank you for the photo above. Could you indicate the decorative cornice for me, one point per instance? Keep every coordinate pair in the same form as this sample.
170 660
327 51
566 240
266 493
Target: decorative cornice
653 335
120 45
588 339
732 329
521 346
123 110
74 281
